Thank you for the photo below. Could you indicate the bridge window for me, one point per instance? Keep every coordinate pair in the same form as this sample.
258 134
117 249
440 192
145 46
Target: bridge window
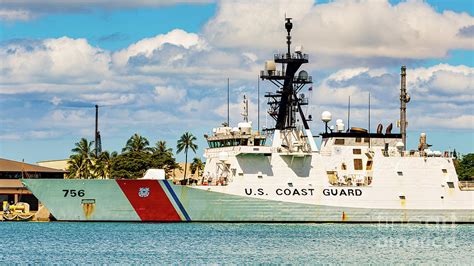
358 140
356 151
358 164
339 142
368 167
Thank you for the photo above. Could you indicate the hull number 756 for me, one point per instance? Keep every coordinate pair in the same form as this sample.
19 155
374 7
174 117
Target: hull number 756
73 193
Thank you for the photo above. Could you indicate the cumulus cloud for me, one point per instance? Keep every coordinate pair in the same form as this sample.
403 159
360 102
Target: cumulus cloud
437 82
169 94
467 31
62 60
188 71
108 98
146 47
345 28
442 95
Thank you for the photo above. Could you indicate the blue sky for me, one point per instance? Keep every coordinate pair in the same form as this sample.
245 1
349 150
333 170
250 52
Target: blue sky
161 69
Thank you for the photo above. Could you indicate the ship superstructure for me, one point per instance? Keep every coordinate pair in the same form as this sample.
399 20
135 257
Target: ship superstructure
355 176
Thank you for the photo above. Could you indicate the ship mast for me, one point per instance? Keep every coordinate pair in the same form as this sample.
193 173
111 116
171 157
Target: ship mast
245 113
285 103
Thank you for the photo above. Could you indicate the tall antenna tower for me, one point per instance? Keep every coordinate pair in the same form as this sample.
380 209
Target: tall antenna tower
404 99
97 140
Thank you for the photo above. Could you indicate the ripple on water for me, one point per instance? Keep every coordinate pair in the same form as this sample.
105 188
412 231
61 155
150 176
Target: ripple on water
164 243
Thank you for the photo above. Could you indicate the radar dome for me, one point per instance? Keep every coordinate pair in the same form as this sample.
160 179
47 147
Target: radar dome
303 75
326 116
270 65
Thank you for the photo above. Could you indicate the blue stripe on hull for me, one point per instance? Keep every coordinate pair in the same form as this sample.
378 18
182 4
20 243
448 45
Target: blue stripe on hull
171 191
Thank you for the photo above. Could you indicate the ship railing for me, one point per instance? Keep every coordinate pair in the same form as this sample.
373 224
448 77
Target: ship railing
281 56
414 153
340 179
271 73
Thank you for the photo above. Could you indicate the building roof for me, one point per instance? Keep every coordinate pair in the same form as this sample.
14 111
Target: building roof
55 164
14 166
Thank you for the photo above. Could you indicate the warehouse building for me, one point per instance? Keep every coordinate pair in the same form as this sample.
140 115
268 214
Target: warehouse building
11 188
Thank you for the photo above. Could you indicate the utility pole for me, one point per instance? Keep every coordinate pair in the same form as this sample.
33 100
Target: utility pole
228 103
349 114
96 139
258 103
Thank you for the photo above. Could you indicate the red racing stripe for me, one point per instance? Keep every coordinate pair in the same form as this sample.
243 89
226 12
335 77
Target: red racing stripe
149 200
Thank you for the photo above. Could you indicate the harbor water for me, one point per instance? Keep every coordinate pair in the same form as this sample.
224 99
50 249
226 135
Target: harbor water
198 243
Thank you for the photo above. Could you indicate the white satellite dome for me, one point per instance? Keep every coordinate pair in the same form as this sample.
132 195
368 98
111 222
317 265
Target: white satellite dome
326 116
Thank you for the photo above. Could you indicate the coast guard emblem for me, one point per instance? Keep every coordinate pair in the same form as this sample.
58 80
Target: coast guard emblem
144 192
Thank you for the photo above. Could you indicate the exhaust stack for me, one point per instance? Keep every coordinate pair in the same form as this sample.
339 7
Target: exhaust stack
404 99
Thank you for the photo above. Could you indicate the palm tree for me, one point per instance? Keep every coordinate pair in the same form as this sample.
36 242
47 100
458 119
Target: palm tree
74 167
80 163
137 143
102 166
160 147
197 165
185 143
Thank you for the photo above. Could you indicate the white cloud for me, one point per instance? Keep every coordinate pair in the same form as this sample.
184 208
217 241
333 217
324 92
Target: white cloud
14 14
62 60
105 99
146 47
442 78
442 95
169 94
346 74
43 134
344 28
56 100
10 136
189 70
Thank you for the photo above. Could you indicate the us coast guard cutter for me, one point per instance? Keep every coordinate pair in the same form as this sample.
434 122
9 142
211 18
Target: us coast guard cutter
355 176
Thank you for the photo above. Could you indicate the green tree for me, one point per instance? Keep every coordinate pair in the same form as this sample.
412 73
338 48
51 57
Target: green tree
160 147
131 165
74 166
465 168
163 158
80 164
103 164
185 143
137 143
197 165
